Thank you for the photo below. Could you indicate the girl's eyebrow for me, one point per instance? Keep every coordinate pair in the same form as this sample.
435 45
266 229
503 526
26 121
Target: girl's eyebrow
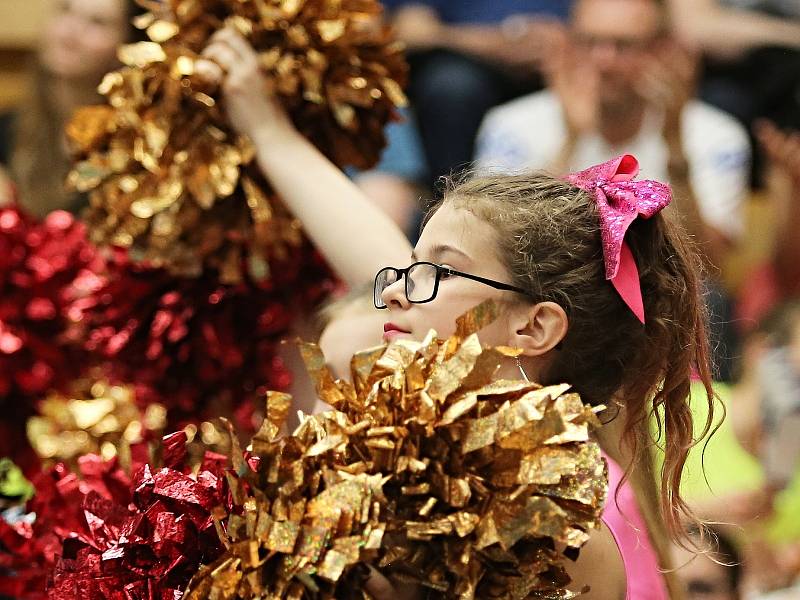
441 249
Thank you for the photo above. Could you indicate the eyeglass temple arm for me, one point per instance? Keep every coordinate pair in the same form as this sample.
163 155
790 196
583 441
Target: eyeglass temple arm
490 282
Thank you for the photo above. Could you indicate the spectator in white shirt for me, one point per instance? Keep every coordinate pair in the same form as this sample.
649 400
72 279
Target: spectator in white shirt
619 84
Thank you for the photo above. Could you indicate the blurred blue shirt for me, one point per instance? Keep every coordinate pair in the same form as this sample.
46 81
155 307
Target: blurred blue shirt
487 11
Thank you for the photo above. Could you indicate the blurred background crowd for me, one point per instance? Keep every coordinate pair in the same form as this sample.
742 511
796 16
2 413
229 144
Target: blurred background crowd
705 93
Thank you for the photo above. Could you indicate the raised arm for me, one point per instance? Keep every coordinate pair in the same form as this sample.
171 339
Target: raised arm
353 234
725 31
356 236
783 150
520 41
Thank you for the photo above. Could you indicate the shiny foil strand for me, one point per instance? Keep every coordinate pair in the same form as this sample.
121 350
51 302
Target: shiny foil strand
166 175
382 480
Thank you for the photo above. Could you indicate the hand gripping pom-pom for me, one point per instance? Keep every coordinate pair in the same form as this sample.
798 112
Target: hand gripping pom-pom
166 175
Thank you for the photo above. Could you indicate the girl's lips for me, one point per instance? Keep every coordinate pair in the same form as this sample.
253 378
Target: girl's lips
392 331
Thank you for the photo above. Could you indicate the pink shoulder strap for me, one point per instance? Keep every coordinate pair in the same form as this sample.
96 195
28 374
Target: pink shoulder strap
624 519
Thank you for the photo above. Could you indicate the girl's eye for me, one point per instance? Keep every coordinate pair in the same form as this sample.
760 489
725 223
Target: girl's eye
446 274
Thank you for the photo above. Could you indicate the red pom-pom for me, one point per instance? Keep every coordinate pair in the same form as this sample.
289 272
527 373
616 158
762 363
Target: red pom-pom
101 534
201 348
38 262
31 546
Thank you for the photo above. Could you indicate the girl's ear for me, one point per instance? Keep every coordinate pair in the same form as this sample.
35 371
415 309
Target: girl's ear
539 328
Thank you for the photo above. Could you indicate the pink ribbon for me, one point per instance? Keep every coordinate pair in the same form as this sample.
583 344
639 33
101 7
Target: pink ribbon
620 200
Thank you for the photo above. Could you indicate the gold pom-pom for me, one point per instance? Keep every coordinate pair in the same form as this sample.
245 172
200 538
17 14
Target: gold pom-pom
428 468
167 176
96 418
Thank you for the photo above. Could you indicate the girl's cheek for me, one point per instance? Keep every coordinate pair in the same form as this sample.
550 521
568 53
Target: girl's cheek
103 42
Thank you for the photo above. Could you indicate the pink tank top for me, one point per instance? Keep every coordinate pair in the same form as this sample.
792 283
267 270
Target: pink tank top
625 521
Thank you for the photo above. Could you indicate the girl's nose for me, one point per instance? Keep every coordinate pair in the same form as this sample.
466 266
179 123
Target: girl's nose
394 295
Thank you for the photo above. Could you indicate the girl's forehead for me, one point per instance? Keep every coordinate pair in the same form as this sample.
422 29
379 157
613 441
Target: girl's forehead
459 229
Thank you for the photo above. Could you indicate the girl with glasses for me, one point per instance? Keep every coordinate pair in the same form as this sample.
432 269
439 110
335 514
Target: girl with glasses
597 286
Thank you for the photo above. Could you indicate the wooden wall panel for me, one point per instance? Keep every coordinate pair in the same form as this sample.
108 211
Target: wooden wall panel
20 21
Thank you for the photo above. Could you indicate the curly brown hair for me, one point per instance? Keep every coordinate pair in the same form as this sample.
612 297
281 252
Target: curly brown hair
549 238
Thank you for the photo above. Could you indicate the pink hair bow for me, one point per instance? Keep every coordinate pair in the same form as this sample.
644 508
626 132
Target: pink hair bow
620 200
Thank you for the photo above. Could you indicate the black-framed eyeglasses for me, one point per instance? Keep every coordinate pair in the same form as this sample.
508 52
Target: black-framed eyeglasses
422 282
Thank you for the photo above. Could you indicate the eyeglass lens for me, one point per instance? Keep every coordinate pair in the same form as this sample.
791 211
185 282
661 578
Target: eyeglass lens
420 284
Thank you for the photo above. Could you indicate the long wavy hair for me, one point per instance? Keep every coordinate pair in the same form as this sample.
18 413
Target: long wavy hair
549 239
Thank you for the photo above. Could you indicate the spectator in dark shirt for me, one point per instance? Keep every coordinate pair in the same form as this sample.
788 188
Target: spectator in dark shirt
467 57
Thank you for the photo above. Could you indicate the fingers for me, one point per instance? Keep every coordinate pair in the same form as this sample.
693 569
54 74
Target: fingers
209 70
768 136
223 55
681 62
657 88
783 148
687 65
378 586
773 140
231 50
230 62
669 79
534 34
675 63
230 59
238 45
